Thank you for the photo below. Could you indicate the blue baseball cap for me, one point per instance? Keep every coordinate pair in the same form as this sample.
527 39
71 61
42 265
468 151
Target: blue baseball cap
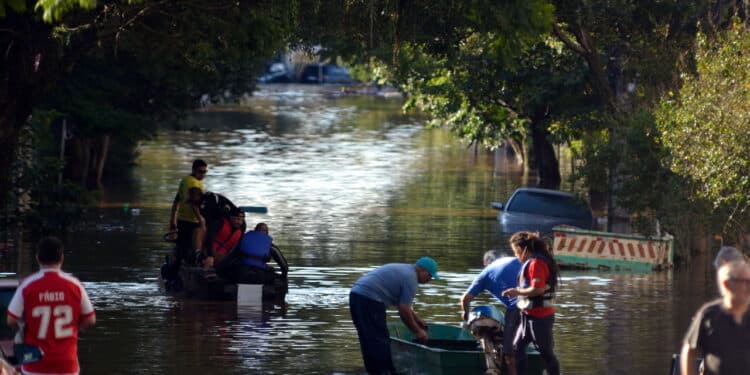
429 265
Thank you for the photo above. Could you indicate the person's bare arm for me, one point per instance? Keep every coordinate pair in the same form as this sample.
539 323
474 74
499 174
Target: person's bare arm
529 291
687 360
12 322
173 212
466 305
279 258
87 321
412 321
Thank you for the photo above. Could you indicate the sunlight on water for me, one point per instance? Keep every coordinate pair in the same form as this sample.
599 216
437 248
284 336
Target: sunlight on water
350 183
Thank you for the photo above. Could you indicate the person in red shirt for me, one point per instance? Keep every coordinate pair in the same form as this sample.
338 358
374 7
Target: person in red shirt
226 237
537 282
50 307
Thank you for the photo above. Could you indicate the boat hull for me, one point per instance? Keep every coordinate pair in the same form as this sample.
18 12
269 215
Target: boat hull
450 350
197 283
588 249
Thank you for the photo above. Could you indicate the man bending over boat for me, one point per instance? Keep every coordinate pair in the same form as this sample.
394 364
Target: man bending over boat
720 330
393 284
498 275
254 251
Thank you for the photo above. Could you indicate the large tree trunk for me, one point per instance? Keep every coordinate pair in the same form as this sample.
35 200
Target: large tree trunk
103 151
517 149
545 161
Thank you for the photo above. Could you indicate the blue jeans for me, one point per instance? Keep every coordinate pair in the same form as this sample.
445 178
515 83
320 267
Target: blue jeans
369 318
538 331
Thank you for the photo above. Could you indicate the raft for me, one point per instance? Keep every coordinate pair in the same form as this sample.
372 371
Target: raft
449 350
202 284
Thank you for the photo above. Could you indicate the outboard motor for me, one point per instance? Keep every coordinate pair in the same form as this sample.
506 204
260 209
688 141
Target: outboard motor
486 324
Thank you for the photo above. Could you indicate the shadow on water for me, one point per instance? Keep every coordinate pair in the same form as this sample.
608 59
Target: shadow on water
351 183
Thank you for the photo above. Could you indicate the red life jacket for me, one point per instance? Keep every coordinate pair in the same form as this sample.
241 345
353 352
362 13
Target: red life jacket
226 238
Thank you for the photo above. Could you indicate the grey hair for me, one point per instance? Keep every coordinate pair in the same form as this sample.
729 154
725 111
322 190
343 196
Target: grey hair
729 270
727 254
490 256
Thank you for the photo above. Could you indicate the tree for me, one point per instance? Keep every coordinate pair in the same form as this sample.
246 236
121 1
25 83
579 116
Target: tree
706 123
170 52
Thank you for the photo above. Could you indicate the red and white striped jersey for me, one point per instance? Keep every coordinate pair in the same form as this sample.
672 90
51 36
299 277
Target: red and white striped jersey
51 303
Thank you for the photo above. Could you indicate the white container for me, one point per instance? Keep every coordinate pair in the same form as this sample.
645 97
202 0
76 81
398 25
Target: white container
249 294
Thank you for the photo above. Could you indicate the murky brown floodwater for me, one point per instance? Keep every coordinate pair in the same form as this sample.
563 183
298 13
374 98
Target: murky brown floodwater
350 183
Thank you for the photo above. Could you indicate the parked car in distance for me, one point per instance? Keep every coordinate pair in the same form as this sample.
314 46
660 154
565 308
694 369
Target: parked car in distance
540 210
325 73
276 73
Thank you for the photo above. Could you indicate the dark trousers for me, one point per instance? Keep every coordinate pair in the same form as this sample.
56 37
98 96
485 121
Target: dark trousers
369 318
537 331
183 250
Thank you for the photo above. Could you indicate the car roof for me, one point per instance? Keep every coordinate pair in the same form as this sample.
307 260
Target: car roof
545 191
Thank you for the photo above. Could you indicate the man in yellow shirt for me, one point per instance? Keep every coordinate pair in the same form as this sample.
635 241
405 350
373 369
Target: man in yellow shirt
183 217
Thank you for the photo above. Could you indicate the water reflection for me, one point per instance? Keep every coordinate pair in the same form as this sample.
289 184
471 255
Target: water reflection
351 183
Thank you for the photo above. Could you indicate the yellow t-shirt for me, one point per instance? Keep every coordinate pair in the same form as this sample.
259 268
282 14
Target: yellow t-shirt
184 211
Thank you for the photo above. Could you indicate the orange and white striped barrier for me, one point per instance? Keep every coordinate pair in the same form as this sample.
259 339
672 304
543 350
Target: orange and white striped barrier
593 249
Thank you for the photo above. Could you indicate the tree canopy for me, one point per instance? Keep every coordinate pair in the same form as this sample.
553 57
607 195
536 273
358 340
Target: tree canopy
706 123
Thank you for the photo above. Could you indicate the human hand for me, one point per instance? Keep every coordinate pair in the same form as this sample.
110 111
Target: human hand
422 336
7 369
510 292
208 262
465 316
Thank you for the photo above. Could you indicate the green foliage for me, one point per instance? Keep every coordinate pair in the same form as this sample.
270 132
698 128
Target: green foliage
706 124
47 205
17 6
440 87
54 10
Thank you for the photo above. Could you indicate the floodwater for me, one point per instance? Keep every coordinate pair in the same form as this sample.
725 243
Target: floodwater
350 183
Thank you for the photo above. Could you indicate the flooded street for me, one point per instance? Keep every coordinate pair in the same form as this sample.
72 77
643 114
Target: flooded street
350 183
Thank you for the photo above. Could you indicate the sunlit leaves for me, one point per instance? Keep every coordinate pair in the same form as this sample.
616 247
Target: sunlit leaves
706 126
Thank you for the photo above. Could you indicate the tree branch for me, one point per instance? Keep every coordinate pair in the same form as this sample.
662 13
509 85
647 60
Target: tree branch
563 36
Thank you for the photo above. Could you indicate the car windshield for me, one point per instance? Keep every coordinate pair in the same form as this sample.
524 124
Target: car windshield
548 204
5 297
335 70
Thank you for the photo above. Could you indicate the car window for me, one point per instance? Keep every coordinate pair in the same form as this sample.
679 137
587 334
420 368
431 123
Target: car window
335 70
5 297
549 205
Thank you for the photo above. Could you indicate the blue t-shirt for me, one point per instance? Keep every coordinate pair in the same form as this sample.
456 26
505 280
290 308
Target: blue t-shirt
389 284
496 277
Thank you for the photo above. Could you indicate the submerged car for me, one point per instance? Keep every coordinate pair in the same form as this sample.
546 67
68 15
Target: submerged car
325 73
276 73
539 210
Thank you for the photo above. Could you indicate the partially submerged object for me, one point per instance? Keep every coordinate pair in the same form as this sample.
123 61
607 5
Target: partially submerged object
588 249
533 209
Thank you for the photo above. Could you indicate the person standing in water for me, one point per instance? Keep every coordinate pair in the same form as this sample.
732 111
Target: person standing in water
537 283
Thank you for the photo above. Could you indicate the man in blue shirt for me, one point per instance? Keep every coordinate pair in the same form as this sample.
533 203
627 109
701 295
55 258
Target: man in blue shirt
393 284
498 275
